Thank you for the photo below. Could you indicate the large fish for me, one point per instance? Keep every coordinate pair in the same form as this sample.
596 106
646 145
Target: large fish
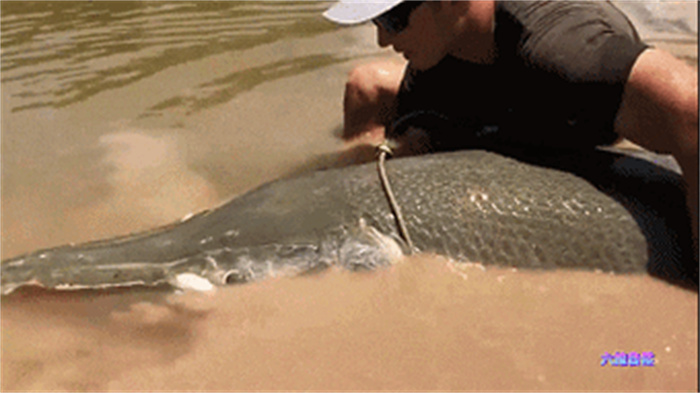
595 210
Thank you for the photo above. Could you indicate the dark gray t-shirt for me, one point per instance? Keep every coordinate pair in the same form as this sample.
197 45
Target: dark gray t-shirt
557 80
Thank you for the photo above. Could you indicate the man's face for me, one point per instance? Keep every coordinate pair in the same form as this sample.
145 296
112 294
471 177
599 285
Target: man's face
421 41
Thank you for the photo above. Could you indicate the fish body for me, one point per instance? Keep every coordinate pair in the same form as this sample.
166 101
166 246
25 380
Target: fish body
592 210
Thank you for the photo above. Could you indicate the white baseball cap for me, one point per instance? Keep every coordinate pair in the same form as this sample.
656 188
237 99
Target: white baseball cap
348 12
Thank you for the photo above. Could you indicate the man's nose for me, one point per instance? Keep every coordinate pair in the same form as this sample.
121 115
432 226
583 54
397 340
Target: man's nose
384 38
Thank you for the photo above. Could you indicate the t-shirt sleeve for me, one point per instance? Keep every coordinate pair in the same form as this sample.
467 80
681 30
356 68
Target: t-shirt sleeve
575 59
581 42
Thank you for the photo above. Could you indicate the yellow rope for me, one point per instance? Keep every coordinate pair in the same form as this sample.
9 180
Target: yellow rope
384 149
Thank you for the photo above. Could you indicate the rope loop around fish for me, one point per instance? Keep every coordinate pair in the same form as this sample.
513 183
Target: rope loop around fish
383 149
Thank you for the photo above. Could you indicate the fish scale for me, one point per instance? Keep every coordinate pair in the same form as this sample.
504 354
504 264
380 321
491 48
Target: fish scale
589 211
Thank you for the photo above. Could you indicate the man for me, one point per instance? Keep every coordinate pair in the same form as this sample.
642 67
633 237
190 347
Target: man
528 75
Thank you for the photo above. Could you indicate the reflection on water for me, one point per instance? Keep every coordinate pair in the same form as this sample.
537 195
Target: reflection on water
64 52
221 90
121 116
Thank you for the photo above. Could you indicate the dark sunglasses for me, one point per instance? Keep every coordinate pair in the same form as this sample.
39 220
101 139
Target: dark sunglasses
395 20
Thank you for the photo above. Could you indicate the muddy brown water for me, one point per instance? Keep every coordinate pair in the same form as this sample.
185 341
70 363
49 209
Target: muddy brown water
118 117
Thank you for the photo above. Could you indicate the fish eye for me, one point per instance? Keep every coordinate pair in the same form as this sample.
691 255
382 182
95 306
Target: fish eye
235 277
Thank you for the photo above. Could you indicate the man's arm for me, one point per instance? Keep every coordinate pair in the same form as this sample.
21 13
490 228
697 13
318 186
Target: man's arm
659 111
369 102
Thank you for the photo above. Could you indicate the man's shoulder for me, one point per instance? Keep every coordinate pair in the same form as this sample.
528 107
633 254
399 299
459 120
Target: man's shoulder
551 12
573 38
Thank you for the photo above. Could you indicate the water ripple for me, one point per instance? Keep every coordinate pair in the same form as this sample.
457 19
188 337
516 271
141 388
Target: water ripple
59 53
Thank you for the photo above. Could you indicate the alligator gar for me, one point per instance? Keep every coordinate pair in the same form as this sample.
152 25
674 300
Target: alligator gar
592 210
